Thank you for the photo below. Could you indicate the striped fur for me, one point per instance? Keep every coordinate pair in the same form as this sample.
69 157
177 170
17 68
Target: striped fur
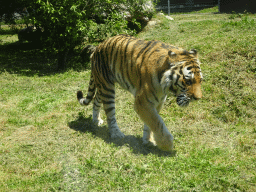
147 69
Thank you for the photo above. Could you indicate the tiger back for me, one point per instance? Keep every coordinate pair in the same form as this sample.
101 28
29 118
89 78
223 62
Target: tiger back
147 69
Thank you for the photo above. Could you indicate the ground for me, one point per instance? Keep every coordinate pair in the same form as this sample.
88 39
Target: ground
48 141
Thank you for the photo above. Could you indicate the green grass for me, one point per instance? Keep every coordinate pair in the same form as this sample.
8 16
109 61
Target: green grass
48 142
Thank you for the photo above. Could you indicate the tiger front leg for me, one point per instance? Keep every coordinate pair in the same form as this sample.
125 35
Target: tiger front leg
147 135
148 113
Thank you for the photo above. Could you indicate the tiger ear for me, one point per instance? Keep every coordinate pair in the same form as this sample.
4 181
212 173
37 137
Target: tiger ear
193 52
171 54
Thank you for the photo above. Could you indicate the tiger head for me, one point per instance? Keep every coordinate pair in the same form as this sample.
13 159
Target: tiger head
184 76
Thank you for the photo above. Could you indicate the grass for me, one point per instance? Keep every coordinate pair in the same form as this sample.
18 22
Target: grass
48 142
203 10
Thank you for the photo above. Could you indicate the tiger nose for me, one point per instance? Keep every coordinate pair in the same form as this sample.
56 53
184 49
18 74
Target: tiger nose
197 98
197 92
198 95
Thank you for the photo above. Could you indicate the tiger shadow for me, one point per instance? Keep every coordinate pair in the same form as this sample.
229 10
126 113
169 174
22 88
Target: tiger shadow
85 125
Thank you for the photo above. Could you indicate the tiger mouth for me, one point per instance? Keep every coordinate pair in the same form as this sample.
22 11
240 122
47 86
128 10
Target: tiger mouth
183 100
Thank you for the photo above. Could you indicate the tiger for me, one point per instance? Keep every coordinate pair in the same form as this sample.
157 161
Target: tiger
149 70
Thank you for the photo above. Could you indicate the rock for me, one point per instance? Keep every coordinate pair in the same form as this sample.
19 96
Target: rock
168 17
152 23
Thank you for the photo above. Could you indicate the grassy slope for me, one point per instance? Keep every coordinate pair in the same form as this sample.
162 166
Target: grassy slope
47 141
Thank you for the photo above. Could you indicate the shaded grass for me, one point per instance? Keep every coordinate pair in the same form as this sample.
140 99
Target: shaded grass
200 10
48 142
31 59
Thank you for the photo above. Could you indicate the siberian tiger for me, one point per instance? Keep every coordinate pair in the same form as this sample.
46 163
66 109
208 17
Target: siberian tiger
147 69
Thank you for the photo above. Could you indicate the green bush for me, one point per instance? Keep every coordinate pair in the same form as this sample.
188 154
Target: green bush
68 23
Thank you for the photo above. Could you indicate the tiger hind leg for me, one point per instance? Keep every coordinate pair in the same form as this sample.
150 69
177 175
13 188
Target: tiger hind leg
96 110
111 119
108 100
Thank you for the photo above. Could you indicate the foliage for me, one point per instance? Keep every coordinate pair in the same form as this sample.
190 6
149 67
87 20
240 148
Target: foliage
12 10
114 24
67 23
